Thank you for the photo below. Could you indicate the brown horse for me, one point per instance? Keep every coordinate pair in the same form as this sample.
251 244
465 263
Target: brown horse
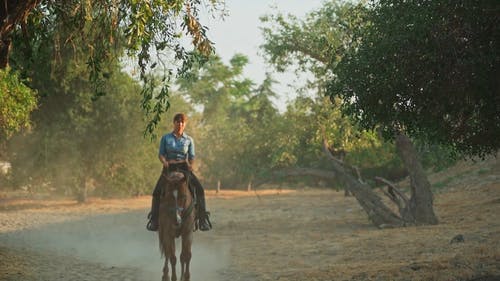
176 218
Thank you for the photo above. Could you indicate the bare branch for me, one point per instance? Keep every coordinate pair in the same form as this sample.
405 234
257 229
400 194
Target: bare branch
394 199
393 187
360 179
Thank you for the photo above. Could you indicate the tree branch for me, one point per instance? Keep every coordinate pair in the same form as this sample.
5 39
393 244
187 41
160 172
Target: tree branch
379 214
392 188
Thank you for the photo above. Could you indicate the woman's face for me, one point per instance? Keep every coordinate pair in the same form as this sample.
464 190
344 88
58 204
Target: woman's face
179 126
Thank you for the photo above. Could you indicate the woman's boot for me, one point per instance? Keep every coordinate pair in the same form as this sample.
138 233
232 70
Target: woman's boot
153 215
204 223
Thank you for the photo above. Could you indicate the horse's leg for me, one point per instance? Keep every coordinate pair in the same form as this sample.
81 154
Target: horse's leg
187 241
169 253
166 253
173 259
165 245
165 270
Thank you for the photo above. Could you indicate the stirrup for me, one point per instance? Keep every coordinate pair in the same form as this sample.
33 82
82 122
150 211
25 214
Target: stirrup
150 225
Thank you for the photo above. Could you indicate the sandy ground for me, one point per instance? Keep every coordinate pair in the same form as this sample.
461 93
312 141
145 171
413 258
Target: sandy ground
303 234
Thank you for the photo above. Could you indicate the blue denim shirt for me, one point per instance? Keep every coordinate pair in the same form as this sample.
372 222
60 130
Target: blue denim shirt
173 148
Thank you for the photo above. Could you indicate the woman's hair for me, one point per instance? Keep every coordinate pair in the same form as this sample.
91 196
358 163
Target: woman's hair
180 117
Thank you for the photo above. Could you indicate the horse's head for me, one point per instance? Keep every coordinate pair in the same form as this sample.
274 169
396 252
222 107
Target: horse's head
175 184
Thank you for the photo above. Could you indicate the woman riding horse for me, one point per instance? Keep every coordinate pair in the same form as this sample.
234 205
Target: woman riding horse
177 153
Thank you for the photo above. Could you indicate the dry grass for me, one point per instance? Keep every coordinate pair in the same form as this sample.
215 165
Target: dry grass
322 235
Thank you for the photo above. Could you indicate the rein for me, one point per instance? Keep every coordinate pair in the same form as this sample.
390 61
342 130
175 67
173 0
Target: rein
185 212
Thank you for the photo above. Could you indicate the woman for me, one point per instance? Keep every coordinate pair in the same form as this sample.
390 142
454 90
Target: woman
177 154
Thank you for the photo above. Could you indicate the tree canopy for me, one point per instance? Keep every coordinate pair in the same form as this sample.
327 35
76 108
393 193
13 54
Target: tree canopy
427 68
101 31
430 68
314 44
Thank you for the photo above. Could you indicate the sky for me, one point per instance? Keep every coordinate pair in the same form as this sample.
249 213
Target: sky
239 32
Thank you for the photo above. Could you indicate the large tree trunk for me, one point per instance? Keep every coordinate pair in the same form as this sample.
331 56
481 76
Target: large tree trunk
420 209
378 213
417 210
12 13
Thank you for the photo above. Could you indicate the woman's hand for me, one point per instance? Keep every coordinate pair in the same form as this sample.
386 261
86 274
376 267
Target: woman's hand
163 161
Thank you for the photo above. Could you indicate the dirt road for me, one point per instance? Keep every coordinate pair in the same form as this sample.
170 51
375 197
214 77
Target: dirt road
304 234
76 242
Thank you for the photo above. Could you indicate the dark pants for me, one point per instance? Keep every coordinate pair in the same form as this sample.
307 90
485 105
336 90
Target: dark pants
194 184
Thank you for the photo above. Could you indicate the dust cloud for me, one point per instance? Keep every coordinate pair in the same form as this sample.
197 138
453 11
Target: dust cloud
120 240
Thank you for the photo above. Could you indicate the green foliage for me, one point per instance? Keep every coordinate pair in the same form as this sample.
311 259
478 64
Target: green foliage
80 144
99 32
315 44
16 103
235 140
321 44
436 157
306 120
430 68
94 145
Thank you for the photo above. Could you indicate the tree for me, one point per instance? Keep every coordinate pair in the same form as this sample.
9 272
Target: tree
315 44
337 27
430 68
16 102
146 29
235 116
78 144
